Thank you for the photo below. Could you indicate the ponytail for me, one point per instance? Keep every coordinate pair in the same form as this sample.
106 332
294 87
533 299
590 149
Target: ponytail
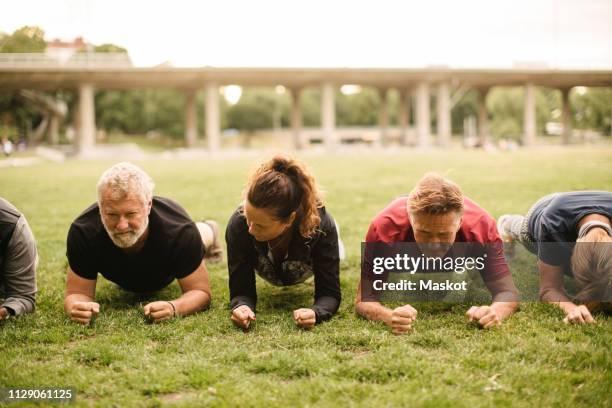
284 185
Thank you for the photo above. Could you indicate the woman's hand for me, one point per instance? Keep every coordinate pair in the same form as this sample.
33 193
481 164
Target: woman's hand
305 318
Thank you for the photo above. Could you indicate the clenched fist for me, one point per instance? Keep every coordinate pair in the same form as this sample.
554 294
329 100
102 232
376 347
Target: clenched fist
83 312
402 318
305 318
485 316
242 316
159 311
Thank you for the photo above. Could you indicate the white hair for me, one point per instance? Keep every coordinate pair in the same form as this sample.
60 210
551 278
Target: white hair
125 178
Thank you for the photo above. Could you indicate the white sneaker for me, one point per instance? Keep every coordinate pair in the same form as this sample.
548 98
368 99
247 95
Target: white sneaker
503 229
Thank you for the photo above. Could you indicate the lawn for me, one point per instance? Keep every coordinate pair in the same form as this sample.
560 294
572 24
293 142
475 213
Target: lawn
120 360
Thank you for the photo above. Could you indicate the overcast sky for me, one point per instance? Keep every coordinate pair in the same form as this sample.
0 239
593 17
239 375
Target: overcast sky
332 33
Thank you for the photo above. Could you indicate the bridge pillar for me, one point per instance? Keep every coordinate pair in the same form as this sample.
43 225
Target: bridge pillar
53 135
86 137
191 118
444 114
483 117
213 123
296 118
404 114
383 116
422 114
566 116
529 116
328 115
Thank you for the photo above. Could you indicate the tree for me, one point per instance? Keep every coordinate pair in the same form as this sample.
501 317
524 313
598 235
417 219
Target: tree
253 112
25 39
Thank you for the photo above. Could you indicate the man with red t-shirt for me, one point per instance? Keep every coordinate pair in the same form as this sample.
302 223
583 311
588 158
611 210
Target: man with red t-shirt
434 214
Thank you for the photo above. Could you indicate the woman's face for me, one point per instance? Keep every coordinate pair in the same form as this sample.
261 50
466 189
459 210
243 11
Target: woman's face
263 226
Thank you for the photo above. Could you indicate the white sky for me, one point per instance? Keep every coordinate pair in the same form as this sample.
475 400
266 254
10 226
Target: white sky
332 33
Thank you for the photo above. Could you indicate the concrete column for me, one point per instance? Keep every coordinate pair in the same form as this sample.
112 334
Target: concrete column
404 114
191 118
53 135
444 114
296 118
328 115
213 122
566 116
422 114
483 117
86 137
383 116
529 116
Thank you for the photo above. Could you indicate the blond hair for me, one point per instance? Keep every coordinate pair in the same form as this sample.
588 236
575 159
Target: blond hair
435 194
592 268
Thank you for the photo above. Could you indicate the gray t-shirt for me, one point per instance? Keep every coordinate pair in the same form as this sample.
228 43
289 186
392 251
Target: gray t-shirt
18 270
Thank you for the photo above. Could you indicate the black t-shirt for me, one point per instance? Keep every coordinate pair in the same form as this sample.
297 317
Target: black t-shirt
553 222
319 255
173 249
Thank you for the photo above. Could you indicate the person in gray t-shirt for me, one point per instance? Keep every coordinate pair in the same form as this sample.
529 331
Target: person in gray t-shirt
18 261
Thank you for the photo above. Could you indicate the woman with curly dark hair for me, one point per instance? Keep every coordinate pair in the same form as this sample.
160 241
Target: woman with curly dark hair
283 233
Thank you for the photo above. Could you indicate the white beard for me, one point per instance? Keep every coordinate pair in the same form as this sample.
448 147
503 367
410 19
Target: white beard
126 239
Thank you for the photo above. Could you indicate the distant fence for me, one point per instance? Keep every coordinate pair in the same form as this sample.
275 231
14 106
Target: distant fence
77 60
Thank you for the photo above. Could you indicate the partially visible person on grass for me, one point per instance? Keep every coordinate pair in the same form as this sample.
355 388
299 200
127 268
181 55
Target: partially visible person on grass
437 215
571 234
283 233
140 242
18 261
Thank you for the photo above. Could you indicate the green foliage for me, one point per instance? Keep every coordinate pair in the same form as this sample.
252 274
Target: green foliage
593 109
25 39
109 48
253 111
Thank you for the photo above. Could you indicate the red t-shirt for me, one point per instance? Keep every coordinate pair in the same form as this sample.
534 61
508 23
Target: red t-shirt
392 224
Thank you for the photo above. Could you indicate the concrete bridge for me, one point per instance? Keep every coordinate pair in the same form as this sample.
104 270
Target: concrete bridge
415 85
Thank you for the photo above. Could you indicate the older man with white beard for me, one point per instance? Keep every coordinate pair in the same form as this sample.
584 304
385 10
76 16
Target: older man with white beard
140 242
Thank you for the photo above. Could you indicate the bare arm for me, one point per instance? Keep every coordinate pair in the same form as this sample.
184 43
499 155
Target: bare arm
78 290
399 319
552 290
371 310
505 296
196 292
79 302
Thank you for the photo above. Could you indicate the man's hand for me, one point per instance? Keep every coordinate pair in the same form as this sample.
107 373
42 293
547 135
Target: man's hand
242 316
402 318
4 314
578 315
305 318
159 311
485 316
83 312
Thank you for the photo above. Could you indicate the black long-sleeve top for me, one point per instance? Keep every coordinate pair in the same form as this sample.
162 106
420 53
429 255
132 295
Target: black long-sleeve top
317 255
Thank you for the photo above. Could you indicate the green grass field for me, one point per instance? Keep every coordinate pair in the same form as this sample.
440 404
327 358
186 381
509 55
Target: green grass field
532 360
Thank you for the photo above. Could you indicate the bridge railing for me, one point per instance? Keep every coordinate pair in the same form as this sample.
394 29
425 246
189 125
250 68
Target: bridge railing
77 60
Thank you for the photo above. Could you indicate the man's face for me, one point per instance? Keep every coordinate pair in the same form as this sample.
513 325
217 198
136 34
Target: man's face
262 225
435 232
125 219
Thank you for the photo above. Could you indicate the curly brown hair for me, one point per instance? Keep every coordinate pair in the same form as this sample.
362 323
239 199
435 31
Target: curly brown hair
283 185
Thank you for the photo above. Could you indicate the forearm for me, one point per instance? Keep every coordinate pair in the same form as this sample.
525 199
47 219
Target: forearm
191 302
325 307
373 311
